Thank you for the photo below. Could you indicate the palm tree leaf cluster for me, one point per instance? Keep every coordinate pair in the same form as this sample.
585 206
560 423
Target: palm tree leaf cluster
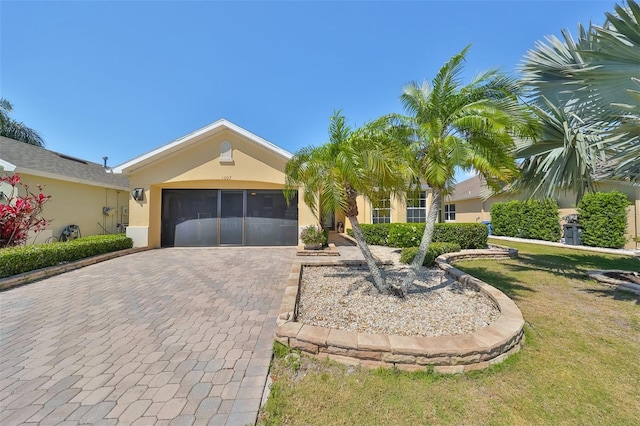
10 128
584 91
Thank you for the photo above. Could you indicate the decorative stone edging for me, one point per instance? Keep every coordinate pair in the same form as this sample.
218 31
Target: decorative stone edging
447 354
38 274
331 250
613 282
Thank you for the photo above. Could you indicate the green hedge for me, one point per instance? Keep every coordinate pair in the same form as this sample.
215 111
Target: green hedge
466 235
603 217
435 249
533 219
16 260
376 235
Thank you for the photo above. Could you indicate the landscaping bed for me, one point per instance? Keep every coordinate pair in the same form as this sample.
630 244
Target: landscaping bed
452 321
579 365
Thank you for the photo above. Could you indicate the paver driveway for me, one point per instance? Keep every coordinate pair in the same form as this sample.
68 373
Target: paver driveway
172 336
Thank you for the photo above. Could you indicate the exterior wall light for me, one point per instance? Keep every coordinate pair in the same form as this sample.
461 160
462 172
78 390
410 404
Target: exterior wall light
138 194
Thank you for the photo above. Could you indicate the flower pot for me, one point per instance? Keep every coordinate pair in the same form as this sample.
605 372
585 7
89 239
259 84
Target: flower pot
313 246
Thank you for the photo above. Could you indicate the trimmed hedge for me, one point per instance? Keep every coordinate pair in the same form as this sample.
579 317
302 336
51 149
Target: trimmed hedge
603 217
376 235
435 249
17 260
466 235
533 219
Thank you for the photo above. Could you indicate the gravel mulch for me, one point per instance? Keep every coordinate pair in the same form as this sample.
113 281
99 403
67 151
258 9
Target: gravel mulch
344 298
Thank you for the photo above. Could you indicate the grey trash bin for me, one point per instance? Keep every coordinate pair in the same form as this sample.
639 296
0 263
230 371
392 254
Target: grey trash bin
572 234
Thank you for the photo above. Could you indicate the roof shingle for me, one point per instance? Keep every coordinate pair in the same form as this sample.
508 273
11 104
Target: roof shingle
29 158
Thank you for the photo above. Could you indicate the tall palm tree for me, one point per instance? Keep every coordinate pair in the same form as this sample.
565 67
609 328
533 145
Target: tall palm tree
365 161
468 126
13 129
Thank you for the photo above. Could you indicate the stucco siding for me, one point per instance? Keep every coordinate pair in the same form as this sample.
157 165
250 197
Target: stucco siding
199 166
79 204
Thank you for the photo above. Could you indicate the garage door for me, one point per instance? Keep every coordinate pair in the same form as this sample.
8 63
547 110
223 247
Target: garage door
212 217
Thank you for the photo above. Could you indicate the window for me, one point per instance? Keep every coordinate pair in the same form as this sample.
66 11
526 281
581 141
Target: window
226 152
417 207
381 210
449 212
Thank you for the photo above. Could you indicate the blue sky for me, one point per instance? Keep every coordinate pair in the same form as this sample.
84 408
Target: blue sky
121 78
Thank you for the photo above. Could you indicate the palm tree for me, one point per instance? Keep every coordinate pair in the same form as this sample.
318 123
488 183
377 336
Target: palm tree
467 126
614 73
364 161
566 157
586 93
13 129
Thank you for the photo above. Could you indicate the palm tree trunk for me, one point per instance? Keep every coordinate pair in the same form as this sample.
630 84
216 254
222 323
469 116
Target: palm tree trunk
378 282
427 237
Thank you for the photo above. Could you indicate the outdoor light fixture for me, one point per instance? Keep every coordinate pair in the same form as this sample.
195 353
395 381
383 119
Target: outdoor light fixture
138 194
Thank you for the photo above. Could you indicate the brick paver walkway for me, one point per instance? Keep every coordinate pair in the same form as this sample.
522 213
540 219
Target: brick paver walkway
172 336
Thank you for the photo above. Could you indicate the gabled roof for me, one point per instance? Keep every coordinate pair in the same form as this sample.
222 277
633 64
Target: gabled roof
19 157
467 189
192 138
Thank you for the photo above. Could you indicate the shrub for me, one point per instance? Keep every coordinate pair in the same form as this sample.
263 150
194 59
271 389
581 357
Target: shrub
533 219
603 217
405 234
466 235
377 234
21 214
16 260
435 249
313 234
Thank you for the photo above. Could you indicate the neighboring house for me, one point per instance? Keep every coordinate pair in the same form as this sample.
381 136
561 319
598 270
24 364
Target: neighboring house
466 204
82 193
222 185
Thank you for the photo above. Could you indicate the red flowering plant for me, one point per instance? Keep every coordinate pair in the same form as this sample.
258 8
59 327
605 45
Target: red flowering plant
21 214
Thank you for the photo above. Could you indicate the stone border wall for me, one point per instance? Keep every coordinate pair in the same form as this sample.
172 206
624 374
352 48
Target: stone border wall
447 354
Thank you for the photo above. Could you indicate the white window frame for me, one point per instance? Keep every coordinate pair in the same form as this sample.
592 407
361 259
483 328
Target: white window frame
422 204
375 211
226 152
449 213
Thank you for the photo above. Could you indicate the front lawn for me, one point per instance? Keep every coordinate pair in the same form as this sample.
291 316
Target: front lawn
580 363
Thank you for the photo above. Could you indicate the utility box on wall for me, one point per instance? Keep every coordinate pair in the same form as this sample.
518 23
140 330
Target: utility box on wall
124 216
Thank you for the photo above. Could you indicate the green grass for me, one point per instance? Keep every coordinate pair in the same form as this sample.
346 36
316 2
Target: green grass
580 363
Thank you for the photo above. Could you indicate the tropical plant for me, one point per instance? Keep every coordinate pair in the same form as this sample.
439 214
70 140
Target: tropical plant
13 129
468 126
21 213
352 163
313 234
585 92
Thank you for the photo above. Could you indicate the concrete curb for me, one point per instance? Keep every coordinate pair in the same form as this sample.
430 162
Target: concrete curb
620 252
38 274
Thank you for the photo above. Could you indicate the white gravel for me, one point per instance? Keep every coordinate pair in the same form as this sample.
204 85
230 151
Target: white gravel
344 298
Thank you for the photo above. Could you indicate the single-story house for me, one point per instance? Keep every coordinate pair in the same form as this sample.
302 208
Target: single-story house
84 194
465 204
222 185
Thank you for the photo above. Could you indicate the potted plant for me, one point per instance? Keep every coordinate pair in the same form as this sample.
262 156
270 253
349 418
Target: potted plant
313 237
